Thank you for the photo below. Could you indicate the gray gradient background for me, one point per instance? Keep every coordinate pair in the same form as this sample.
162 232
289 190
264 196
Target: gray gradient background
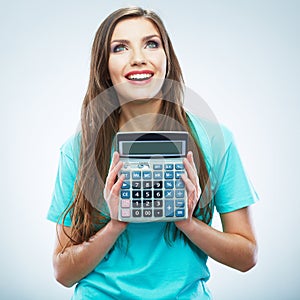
242 57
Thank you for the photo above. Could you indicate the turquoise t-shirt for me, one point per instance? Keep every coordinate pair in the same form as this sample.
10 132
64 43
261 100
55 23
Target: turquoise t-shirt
143 265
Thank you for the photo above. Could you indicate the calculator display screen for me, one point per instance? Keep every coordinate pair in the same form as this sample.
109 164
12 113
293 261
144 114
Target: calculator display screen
166 148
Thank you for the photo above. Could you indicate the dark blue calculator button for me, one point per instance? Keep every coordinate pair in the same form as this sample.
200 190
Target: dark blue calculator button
179 213
157 185
169 175
125 185
157 167
147 194
179 167
169 167
125 194
178 174
157 194
169 184
136 194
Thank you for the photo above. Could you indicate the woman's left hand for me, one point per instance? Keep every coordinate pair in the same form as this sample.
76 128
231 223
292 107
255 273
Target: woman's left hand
193 189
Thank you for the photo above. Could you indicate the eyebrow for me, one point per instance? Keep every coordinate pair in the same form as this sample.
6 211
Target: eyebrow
146 38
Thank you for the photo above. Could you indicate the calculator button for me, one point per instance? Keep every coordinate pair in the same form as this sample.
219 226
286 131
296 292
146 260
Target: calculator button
169 167
147 194
147 203
179 213
169 194
157 175
136 174
125 203
157 184
179 167
136 194
179 193
179 184
158 194
136 184
147 175
125 194
178 174
157 166
125 185
147 184
158 203
136 203
136 213
125 213
147 213
169 208
169 175
169 184
179 203
126 174
158 213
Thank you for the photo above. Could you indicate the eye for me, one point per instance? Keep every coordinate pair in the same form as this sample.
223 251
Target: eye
152 44
119 48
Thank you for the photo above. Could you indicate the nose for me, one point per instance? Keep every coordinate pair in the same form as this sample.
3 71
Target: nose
138 58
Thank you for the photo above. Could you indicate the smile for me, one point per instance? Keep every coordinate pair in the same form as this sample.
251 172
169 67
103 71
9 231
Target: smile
139 76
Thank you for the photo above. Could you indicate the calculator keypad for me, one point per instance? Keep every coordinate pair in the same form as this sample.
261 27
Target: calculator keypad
153 192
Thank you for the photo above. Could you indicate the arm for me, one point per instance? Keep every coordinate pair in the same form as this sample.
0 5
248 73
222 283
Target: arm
236 246
74 262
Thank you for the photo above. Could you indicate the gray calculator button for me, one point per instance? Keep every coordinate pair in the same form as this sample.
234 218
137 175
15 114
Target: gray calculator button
136 213
158 203
147 203
169 208
147 213
158 213
136 203
136 185
147 184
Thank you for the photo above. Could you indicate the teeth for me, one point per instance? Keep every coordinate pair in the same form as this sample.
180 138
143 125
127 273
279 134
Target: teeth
139 76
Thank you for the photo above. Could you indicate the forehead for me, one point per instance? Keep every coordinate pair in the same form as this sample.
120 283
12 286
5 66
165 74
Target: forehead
134 27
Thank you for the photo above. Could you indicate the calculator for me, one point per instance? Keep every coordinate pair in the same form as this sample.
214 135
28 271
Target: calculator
153 165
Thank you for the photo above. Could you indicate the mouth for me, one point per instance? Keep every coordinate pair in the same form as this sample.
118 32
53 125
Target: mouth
139 76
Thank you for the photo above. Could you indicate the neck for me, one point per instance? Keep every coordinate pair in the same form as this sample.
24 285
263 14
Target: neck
139 115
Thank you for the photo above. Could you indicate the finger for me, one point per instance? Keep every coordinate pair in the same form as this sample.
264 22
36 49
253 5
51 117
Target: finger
190 158
115 160
192 174
117 186
111 178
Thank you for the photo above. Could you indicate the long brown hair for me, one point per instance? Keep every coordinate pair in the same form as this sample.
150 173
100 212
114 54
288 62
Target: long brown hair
100 122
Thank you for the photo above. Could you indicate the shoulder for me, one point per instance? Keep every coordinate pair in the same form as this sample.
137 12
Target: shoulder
215 138
71 147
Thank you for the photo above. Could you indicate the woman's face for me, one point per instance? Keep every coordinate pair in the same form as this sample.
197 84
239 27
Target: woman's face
137 61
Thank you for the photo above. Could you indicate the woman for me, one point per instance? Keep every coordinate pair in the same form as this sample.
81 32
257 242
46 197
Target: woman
136 84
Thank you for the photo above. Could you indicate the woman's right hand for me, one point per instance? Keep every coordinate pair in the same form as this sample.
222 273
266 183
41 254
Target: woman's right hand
113 186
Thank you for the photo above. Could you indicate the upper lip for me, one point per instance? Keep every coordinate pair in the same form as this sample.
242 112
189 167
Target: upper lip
139 72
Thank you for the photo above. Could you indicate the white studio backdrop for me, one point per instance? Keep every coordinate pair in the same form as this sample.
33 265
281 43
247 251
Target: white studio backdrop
241 57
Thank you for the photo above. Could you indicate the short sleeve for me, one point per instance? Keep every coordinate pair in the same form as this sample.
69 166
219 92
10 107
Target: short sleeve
234 190
62 196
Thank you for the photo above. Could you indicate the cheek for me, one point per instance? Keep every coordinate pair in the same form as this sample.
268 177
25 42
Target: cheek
114 70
